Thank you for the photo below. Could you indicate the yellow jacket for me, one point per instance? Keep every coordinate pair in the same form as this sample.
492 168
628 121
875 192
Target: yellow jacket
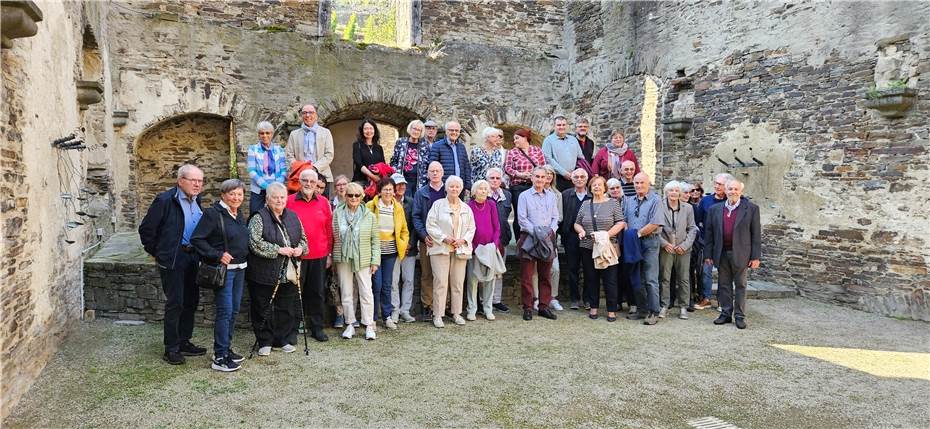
401 233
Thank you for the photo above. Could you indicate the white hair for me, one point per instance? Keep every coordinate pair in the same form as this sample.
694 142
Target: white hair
726 177
187 169
476 185
685 186
456 179
490 131
264 125
613 182
741 184
674 184
275 187
414 123
308 172
494 170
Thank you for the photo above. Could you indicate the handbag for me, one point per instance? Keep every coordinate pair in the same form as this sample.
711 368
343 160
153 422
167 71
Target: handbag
210 276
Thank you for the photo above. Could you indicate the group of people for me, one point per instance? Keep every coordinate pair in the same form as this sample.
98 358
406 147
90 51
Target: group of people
448 209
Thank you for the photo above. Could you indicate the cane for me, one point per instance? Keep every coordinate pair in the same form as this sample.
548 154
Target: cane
300 296
268 312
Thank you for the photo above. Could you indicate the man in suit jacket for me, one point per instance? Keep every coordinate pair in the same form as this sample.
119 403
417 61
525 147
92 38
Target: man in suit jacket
733 243
314 143
571 202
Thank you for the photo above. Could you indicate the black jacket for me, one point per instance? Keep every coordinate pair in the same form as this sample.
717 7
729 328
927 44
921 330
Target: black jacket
162 227
265 271
570 206
747 233
503 211
208 236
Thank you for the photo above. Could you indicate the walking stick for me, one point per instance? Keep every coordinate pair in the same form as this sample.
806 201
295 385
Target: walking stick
300 295
268 311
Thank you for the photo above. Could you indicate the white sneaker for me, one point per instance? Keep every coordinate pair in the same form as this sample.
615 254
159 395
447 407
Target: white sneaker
536 304
370 332
489 316
349 332
437 322
390 324
288 348
663 312
471 317
684 314
407 317
554 304
395 316
632 309
458 320
264 351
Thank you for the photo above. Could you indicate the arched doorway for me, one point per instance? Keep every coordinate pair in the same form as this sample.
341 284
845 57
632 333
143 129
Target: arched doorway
509 128
194 138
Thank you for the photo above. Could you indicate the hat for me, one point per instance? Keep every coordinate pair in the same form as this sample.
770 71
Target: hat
431 123
398 178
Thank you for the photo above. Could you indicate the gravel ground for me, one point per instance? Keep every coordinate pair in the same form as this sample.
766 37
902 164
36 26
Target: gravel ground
508 373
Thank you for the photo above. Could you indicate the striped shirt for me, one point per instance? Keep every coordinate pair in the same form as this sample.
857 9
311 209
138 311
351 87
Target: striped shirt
386 229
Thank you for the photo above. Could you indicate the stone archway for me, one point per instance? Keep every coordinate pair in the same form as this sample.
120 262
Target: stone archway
197 138
509 128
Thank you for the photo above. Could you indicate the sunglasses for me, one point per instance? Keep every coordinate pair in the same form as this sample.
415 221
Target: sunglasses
354 195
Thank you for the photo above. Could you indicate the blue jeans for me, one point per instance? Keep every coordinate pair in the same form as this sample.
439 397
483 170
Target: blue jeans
648 294
381 286
256 202
227 302
707 291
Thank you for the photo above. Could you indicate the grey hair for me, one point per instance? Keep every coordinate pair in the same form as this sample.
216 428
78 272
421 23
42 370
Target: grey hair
454 178
474 186
541 168
495 170
308 104
685 186
559 117
275 187
613 182
264 125
229 185
725 176
186 169
490 131
741 184
308 172
582 120
673 184
452 122
414 123
341 177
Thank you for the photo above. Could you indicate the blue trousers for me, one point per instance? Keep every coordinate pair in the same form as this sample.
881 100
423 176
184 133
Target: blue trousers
227 302
648 295
381 282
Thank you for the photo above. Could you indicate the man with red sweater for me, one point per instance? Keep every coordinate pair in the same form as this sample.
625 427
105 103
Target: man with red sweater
315 214
733 243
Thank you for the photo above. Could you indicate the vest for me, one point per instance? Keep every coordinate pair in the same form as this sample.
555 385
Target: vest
263 270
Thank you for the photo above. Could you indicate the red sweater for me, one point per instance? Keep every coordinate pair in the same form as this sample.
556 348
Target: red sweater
728 223
316 216
601 164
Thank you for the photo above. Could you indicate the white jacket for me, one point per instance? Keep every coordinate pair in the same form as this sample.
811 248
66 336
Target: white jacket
488 263
603 252
439 227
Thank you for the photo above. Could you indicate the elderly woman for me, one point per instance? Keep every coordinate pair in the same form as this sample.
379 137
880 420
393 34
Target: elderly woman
411 156
490 154
601 213
450 223
609 158
357 254
487 232
519 165
677 235
615 189
266 164
366 151
222 237
394 237
556 272
275 236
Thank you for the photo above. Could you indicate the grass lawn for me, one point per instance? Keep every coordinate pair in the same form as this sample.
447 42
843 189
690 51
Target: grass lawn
510 373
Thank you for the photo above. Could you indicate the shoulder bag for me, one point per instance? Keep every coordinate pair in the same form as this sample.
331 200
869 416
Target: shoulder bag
213 276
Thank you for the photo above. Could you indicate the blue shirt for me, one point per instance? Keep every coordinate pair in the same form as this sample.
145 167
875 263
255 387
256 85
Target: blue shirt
642 212
562 154
192 214
538 208
310 141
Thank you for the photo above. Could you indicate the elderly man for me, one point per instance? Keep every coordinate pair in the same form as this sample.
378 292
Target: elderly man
450 152
644 215
734 245
627 171
402 299
677 238
501 196
266 164
538 214
165 232
562 152
422 202
432 129
709 200
582 127
312 142
571 202
315 215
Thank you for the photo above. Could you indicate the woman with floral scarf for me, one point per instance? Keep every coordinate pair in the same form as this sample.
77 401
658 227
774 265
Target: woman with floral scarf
609 158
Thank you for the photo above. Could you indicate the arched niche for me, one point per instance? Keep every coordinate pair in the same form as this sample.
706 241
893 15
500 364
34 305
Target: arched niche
201 139
509 128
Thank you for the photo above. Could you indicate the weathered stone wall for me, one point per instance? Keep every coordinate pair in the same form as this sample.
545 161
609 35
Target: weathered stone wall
273 16
41 292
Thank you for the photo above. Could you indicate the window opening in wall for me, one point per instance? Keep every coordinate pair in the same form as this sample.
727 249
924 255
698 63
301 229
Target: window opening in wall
379 22
647 128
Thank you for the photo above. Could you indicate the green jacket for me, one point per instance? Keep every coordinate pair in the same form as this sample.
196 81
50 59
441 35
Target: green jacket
369 247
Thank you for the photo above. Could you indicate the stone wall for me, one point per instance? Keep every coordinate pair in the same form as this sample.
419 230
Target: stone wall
259 15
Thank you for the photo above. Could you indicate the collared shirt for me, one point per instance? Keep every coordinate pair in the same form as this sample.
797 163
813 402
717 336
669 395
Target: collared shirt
455 158
316 217
562 153
192 215
581 195
641 212
538 208
310 141
518 162
498 195
260 175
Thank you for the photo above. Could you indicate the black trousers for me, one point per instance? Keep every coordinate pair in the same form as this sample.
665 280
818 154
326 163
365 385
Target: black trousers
181 299
731 275
515 192
573 266
313 287
274 322
594 278
627 293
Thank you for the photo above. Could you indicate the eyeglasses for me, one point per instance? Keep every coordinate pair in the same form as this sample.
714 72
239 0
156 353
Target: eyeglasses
307 113
353 195
193 180
265 133
452 130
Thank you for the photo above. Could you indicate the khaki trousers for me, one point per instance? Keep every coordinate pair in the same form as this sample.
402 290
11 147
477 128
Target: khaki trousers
448 274
426 278
347 284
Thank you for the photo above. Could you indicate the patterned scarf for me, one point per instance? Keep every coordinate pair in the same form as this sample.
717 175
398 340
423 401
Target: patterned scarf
349 234
616 157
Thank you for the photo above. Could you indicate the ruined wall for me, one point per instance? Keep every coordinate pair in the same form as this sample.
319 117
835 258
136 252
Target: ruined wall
281 15
41 292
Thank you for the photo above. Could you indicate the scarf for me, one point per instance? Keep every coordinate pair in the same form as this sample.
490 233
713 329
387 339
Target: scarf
349 232
616 157
730 208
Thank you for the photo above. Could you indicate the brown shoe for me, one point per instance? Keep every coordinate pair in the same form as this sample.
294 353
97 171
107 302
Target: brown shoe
704 303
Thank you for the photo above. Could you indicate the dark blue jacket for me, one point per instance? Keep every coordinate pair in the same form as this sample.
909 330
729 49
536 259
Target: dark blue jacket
632 246
207 238
162 227
421 206
700 212
441 151
503 211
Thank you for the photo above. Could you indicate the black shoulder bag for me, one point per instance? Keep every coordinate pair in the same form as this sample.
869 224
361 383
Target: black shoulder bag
213 276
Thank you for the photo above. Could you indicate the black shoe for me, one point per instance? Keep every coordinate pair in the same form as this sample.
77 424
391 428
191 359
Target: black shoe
173 358
723 319
611 319
427 315
320 336
636 316
503 308
188 349
691 309
527 314
225 364
740 324
592 316
547 313
235 356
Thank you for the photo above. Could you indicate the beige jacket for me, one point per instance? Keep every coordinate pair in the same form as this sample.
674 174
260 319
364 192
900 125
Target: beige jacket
439 227
324 150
